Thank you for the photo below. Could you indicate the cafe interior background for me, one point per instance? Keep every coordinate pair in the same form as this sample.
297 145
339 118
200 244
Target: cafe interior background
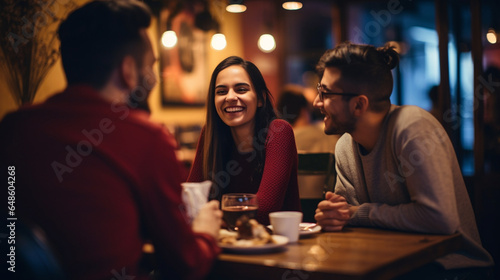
459 37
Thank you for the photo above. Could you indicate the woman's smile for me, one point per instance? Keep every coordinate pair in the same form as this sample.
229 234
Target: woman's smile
234 109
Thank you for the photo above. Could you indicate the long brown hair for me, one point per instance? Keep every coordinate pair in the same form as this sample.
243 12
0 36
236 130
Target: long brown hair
218 140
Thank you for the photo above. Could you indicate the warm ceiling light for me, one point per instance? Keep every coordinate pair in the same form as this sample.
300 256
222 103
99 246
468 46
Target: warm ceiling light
292 5
218 41
236 6
491 36
267 43
169 39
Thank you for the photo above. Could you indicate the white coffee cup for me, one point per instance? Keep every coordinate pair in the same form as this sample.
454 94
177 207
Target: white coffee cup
286 223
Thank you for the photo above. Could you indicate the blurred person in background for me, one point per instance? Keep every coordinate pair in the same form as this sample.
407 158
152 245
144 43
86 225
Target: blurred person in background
309 136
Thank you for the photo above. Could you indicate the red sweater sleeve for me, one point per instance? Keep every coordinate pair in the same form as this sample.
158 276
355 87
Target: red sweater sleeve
166 219
279 179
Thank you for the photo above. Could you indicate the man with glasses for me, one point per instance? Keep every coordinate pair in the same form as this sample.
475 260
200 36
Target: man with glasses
396 165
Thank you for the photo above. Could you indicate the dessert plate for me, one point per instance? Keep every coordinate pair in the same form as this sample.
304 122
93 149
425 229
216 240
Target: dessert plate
247 248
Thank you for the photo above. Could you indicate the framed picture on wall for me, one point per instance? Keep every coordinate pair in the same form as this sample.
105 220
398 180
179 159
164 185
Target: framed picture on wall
183 66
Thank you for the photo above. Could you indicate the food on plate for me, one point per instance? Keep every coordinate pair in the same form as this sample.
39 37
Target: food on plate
249 233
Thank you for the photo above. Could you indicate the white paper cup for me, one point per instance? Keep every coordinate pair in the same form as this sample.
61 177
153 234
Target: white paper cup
194 196
286 223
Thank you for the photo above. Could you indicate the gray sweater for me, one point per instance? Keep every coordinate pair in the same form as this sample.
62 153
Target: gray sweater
410 181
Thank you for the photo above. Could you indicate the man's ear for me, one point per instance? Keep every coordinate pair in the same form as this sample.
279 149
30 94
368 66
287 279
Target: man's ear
128 72
360 104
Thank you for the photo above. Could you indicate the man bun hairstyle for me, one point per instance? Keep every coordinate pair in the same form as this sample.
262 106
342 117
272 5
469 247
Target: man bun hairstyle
390 55
365 68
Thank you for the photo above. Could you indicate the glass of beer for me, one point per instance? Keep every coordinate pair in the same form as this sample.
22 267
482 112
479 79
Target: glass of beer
236 205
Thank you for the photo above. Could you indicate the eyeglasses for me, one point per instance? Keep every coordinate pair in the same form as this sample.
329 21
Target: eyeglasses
323 93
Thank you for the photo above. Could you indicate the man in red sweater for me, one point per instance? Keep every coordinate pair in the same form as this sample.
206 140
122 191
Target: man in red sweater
92 171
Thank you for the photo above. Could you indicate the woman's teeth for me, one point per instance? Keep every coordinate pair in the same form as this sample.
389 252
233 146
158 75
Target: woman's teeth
233 109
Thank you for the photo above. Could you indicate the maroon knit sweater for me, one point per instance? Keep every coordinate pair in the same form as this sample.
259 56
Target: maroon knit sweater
278 189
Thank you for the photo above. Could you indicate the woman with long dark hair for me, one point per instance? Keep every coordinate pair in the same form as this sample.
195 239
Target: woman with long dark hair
243 147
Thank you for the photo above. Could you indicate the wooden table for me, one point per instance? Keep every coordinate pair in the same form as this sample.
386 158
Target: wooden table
354 253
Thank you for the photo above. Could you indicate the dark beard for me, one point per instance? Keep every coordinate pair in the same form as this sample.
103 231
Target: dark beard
342 127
